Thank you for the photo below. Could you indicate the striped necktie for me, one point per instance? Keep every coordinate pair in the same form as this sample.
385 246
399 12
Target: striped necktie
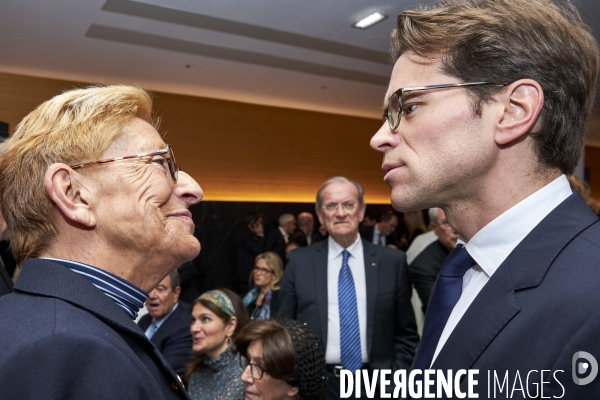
350 350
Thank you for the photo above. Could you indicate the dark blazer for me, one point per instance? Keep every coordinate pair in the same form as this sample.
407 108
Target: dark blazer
425 268
68 340
299 237
276 243
391 330
538 309
367 232
247 247
173 339
6 285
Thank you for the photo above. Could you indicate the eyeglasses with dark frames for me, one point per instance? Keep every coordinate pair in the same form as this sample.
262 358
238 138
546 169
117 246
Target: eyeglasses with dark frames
259 270
166 154
394 110
255 370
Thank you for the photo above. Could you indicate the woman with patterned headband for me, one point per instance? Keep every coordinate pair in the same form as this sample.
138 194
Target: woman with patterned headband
217 317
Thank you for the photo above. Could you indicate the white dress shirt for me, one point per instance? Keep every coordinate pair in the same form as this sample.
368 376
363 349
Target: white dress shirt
495 241
378 237
356 262
286 236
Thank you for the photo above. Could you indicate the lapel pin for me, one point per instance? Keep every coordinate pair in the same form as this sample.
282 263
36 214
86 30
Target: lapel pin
374 264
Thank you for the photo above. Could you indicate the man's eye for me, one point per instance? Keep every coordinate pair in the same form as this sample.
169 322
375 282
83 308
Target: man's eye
409 108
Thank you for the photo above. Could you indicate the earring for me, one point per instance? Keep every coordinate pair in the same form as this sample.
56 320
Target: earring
228 340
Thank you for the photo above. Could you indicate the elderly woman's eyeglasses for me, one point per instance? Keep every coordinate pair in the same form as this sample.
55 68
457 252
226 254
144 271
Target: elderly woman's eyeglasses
394 110
166 155
255 370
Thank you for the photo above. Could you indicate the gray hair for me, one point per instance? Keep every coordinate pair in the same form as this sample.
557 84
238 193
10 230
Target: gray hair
359 189
433 214
285 218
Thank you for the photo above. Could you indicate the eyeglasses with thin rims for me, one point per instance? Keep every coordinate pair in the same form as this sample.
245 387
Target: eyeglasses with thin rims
348 206
259 270
166 154
255 370
393 112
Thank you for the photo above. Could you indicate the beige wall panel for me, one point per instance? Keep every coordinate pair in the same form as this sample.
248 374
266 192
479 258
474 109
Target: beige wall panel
238 151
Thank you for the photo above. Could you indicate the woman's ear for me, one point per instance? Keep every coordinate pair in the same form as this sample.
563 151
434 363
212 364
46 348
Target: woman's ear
69 194
293 391
522 105
230 327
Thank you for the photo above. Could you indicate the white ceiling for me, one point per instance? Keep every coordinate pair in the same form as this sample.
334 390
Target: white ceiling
275 52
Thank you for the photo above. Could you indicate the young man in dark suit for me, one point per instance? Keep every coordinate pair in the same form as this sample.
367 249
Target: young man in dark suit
354 295
485 115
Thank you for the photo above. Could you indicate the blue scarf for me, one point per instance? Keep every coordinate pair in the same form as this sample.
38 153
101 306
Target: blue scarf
265 309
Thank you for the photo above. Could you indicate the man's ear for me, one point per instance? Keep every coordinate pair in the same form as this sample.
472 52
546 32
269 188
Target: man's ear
177 292
522 105
69 194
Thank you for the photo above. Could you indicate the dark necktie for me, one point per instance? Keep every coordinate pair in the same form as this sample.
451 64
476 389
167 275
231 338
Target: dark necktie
350 351
445 295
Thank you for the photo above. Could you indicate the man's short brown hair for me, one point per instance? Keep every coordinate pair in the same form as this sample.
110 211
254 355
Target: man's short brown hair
508 40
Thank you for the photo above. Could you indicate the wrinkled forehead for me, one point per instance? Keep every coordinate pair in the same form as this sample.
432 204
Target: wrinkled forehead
340 192
137 136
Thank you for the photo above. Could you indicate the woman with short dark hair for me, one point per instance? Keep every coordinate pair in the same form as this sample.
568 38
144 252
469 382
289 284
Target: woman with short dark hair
281 360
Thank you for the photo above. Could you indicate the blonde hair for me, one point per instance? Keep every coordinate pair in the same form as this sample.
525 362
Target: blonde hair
274 262
77 125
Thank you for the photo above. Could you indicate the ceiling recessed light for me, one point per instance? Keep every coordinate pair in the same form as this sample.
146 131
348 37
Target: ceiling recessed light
369 21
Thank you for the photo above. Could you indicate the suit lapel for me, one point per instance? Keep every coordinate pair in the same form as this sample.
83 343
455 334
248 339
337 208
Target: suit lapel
320 274
525 267
371 277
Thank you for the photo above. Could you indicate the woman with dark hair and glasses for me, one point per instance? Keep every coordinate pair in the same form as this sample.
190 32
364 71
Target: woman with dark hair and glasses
261 300
217 317
281 360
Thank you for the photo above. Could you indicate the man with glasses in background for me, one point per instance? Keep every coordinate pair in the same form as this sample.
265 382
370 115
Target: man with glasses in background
485 116
353 295
98 213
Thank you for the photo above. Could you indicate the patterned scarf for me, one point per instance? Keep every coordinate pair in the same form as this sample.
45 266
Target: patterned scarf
265 309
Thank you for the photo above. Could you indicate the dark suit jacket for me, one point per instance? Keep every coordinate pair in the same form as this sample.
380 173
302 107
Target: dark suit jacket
247 247
276 243
6 285
425 268
173 339
367 232
68 340
538 309
391 330
299 237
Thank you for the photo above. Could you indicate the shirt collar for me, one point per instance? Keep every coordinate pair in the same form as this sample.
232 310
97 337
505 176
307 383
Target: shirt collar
284 233
336 249
125 294
160 321
495 241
